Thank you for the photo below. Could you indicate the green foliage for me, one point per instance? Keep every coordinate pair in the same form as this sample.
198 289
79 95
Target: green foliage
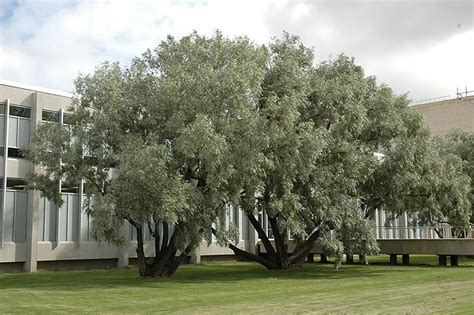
158 141
416 174
201 122
461 144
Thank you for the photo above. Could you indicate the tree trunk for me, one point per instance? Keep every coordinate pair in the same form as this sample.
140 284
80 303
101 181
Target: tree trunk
249 256
141 259
277 253
165 263
349 258
272 255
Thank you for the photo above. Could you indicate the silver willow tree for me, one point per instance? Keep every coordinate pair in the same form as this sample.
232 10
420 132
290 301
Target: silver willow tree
201 122
461 144
336 146
156 143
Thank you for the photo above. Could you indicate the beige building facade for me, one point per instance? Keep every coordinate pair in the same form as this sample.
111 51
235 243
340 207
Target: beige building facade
447 115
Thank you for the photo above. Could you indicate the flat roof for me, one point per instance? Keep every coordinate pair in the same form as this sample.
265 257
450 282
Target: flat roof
35 88
448 102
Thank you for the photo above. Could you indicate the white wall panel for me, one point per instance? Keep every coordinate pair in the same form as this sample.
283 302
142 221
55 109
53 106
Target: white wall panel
84 226
24 132
245 226
13 132
9 217
2 130
21 209
50 221
63 219
41 221
73 217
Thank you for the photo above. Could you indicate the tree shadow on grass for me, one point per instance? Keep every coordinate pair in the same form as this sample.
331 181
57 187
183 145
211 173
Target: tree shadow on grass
188 274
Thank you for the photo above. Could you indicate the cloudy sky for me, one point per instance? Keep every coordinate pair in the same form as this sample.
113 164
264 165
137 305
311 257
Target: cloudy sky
422 47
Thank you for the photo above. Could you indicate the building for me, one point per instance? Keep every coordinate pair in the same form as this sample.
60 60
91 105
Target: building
35 233
441 115
447 114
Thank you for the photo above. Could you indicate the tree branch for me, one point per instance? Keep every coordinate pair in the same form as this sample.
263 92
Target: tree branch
263 237
306 247
279 241
252 257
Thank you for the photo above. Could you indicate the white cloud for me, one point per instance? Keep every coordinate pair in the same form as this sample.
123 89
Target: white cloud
431 72
50 50
48 42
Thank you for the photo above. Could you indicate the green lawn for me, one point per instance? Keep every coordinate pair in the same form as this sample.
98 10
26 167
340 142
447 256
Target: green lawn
245 287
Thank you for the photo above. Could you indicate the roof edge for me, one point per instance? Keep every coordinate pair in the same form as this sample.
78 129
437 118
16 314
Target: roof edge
35 88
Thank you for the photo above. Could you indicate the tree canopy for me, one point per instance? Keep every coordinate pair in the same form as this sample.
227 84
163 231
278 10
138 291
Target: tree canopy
203 122
461 144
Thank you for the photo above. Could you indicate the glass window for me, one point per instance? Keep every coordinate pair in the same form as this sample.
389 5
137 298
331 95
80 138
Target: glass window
16 184
15 153
13 132
50 116
69 188
20 111
2 108
2 130
67 118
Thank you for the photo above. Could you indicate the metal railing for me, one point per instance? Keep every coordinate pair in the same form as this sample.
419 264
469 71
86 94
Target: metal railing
432 100
459 95
421 232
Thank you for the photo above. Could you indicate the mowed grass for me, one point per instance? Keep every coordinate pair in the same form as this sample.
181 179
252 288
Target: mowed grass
239 287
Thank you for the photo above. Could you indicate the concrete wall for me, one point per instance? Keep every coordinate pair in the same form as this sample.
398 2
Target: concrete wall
14 136
428 247
444 116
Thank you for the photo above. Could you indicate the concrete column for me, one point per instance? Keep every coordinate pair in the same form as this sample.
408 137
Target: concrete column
443 261
406 259
393 259
196 256
454 260
5 170
31 262
58 209
123 256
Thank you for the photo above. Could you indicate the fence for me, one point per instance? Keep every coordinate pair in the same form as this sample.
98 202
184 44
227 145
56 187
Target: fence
422 232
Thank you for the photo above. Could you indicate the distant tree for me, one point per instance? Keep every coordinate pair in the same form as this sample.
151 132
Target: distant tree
419 176
461 144
156 143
